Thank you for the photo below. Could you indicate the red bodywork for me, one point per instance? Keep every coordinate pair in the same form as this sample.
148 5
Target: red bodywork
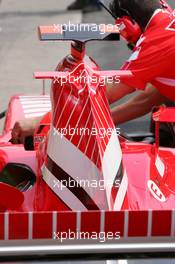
139 159
145 172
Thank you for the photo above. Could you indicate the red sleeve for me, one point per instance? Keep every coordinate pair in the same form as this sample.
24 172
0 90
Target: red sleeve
146 63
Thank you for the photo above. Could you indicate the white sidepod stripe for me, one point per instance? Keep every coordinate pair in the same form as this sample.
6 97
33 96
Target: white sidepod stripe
121 193
64 193
111 163
34 106
77 165
160 166
87 176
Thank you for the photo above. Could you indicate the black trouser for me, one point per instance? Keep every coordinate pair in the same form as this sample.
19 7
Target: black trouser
92 2
88 2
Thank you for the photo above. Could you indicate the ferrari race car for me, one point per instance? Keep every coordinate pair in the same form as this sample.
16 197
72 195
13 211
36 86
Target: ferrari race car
79 179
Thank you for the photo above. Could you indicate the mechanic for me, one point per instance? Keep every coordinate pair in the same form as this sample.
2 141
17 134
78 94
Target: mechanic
151 63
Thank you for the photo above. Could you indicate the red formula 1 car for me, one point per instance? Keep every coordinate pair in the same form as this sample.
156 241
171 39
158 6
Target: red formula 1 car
82 176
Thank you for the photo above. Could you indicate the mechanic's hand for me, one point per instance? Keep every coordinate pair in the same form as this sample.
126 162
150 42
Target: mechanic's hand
24 128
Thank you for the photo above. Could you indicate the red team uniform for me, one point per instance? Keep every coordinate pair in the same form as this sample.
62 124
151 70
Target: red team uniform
154 56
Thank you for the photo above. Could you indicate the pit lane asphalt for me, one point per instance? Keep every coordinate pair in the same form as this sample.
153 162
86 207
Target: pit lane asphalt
21 52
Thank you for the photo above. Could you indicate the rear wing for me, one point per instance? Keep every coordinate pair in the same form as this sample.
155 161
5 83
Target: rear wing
79 32
56 75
